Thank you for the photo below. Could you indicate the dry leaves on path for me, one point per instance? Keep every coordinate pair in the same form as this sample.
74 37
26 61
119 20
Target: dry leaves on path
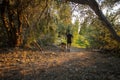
80 65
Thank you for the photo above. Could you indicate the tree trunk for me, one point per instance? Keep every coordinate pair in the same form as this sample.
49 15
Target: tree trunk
6 22
19 30
13 31
12 27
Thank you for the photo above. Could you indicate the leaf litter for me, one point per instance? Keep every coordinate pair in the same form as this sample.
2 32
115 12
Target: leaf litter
82 65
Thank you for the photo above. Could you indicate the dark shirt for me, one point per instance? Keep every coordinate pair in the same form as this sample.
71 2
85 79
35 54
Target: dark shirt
69 38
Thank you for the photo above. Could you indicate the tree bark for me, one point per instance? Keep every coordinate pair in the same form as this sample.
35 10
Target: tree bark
6 23
19 30
14 32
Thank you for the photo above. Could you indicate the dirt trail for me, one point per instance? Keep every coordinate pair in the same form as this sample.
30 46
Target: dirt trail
79 64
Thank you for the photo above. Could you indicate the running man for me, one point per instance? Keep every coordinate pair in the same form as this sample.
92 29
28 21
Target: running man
69 37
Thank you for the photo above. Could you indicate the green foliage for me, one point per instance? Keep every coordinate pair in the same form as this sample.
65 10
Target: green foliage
78 40
45 20
48 21
99 37
95 33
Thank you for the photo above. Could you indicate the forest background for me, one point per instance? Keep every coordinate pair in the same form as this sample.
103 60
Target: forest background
46 22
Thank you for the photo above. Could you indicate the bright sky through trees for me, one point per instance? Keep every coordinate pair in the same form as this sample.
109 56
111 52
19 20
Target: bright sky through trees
76 13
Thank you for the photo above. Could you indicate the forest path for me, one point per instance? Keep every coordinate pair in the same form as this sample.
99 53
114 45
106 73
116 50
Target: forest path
79 64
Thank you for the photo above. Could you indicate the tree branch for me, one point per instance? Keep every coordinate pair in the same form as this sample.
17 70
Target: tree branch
95 7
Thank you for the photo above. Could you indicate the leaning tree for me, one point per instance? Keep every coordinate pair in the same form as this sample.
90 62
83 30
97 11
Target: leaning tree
95 7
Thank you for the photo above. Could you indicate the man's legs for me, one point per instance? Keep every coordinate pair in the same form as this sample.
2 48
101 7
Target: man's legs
68 47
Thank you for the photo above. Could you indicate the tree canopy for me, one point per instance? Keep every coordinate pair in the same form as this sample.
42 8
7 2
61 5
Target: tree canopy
94 5
22 22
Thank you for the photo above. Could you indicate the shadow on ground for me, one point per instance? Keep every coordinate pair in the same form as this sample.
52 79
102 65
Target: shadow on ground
65 66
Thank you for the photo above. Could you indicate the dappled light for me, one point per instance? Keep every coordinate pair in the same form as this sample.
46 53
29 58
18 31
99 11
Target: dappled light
30 65
59 40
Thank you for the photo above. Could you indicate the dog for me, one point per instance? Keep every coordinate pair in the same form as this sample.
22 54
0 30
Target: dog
63 46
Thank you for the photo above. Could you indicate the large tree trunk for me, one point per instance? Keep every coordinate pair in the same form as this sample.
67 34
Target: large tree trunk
12 27
3 17
93 4
14 32
6 18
